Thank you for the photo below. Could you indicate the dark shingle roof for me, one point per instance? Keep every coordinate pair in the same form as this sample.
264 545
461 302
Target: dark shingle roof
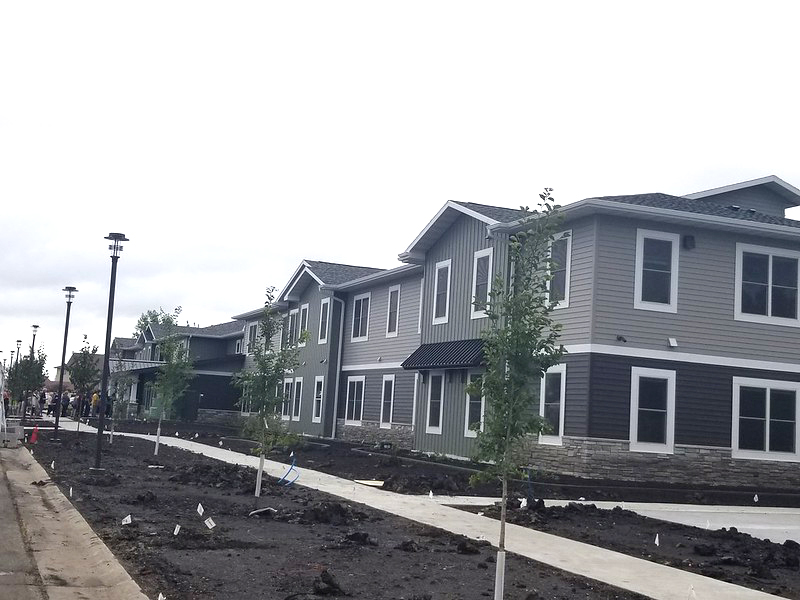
701 207
220 330
335 274
498 213
123 343
446 355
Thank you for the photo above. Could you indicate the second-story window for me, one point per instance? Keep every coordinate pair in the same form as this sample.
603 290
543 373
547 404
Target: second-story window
481 282
303 323
560 255
766 284
360 317
252 330
441 292
392 318
656 278
324 313
291 335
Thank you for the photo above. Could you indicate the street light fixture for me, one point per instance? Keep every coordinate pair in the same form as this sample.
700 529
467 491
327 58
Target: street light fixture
70 294
116 248
19 345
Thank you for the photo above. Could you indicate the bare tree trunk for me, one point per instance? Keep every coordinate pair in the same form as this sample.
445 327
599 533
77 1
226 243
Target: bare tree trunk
260 475
500 567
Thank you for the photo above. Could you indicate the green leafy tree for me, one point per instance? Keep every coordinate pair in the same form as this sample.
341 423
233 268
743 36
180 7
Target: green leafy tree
27 376
520 344
84 374
261 384
152 316
175 372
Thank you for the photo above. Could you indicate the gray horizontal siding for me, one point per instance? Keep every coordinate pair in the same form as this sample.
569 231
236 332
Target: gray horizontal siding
758 198
576 318
703 398
704 323
392 349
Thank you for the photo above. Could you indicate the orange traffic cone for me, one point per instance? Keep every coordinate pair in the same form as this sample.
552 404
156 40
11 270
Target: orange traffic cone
35 434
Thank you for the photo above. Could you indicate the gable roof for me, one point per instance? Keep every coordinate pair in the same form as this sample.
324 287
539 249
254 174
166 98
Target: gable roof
773 183
324 274
123 343
221 330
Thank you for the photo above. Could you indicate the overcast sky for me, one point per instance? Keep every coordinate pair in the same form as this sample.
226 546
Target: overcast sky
230 140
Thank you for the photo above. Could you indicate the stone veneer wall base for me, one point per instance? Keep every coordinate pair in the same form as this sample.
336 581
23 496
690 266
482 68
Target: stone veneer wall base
612 459
370 433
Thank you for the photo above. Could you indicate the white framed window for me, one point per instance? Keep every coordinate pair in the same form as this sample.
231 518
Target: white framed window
765 419
652 410
324 318
656 277
298 398
286 406
238 346
552 398
354 409
433 423
475 409
360 328
481 282
252 334
291 335
766 285
303 324
561 261
319 386
393 312
387 401
441 292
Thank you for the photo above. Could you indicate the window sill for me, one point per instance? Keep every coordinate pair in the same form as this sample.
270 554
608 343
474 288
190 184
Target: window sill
284 417
655 306
391 335
478 315
470 434
359 339
316 419
550 440
765 320
353 423
651 448
759 455
386 426
434 430
440 321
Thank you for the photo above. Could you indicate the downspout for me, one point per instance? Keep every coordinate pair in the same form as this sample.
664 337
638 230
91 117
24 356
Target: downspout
338 367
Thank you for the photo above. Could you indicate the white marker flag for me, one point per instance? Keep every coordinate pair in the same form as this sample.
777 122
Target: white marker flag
161 596
523 502
127 520
200 509
53 465
177 529
70 492
755 498
210 523
657 542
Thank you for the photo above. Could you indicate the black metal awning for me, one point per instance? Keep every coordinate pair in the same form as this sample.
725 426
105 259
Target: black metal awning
446 355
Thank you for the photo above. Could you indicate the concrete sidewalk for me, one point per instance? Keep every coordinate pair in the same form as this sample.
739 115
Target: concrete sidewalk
647 578
47 550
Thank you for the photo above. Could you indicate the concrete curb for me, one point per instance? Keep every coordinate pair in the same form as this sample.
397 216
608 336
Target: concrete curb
72 561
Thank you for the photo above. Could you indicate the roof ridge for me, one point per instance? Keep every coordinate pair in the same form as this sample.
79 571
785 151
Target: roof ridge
325 262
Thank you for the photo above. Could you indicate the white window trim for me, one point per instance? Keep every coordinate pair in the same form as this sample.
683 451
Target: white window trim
640 304
555 439
387 424
248 347
365 337
322 338
317 418
299 401
394 288
303 307
568 270
480 314
428 428
635 445
441 265
469 433
738 315
283 398
421 301
294 311
738 383
363 380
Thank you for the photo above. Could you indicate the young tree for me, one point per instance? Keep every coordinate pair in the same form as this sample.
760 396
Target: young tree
520 344
175 374
262 384
84 374
151 316
27 376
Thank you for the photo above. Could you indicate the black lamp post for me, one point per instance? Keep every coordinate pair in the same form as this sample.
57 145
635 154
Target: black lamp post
16 372
19 345
116 248
70 294
33 343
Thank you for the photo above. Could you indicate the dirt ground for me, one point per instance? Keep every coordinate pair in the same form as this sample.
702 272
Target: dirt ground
726 555
306 545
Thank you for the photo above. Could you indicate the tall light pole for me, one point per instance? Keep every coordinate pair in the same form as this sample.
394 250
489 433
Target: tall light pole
16 372
70 294
19 345
116 248
33 343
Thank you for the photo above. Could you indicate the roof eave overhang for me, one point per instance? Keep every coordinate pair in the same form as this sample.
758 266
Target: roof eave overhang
449 212
789 193
286 294
598 206
380 277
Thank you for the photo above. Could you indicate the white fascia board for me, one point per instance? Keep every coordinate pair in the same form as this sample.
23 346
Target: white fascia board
301 270
769 179
449 205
